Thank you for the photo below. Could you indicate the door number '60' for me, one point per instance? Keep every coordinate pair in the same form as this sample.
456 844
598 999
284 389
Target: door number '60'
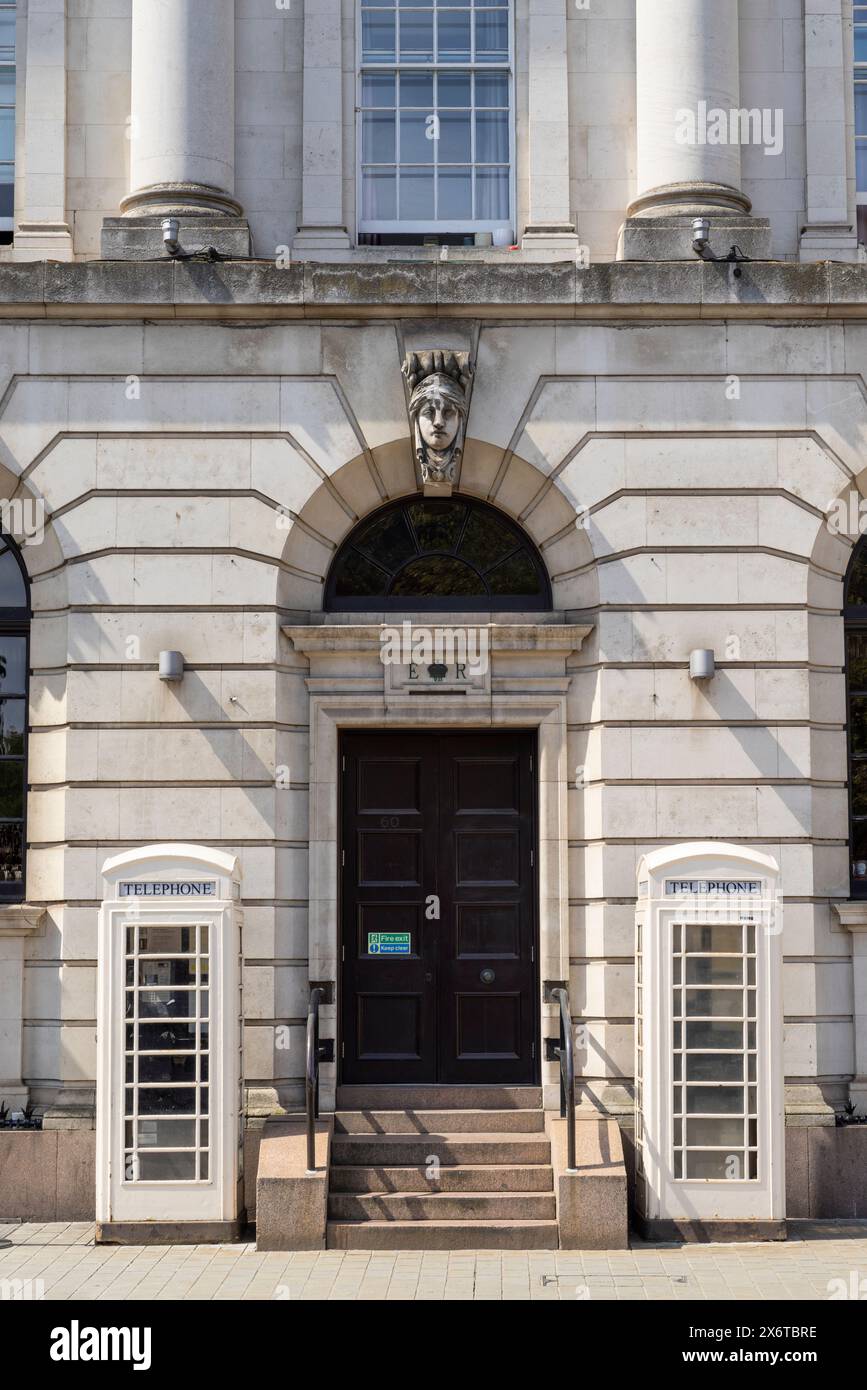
389 822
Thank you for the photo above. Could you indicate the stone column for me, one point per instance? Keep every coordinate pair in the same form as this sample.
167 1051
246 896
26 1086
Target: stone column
688 72
17 923
550 225
323 222
41 228
182 129
830 233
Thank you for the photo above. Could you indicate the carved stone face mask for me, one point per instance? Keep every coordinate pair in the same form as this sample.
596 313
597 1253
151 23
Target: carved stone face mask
437 411
438 421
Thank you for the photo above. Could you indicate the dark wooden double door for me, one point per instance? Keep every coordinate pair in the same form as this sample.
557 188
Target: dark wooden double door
438 909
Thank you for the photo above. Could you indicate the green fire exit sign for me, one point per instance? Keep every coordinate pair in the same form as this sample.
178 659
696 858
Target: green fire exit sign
389 943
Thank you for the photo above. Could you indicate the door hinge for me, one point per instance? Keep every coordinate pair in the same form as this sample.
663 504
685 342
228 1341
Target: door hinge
343 953
344 763
532 953
532 858
531 762
343 1049
343 858
533 1050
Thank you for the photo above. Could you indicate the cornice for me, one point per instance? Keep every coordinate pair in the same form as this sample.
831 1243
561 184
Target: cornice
852 914
503 637
362 288
21 919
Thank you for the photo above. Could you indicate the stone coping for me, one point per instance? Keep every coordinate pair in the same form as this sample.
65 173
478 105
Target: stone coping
405 288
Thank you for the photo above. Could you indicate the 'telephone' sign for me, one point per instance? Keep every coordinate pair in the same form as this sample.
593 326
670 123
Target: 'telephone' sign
180 888
712 887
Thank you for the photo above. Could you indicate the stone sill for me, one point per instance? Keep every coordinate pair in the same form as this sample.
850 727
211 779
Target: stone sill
252 289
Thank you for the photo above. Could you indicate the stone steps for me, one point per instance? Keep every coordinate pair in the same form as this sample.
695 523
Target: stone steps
489 1189
491 1186
439 1122
439 1097
442 1206
479 1177
458 1150
442 1235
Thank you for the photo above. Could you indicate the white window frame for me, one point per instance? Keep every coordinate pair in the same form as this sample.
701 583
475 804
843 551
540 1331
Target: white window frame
432 226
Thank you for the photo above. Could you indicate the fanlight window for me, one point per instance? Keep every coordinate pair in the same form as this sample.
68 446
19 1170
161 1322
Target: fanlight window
450 553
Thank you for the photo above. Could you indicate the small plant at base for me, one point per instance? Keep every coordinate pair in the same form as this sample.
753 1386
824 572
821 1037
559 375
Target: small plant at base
849 1116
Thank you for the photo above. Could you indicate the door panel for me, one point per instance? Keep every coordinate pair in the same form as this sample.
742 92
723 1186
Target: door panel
451 816
389 849
487 993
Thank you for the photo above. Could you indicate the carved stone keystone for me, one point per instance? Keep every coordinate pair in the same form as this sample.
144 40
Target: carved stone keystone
439 384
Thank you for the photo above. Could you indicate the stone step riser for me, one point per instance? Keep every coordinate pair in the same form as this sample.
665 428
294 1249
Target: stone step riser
439 1097
472 1206
481 1178
441 1122
429 1235
451 1152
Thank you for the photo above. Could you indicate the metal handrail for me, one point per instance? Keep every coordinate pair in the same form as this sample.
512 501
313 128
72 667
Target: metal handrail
566 1053
311 1083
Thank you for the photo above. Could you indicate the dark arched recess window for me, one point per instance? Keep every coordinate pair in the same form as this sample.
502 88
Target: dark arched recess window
14 666
855 619
452 554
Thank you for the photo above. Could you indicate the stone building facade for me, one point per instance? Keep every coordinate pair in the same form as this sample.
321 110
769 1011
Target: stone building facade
676 440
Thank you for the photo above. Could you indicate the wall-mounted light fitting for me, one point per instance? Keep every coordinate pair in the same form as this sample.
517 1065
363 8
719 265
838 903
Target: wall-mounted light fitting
171 235
701 236
171 666
701 664
171 241
701 246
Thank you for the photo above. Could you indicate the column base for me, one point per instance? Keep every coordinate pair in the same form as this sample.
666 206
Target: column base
828 241
320 238
71 1109
813 1103
668 236
549 236
41 241
262 1102
180 200
140 237
14 1095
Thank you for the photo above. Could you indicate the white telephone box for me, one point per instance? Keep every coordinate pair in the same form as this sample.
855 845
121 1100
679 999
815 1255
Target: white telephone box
708 1023
169 1076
